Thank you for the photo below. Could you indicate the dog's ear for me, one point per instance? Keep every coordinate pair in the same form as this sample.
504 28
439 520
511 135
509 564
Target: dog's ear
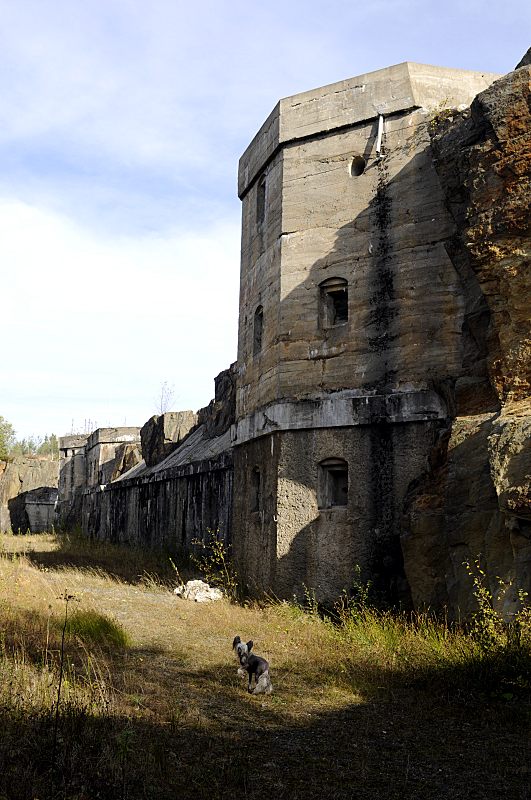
249 646
236 641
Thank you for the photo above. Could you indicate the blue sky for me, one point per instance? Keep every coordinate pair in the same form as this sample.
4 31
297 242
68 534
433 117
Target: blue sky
121 125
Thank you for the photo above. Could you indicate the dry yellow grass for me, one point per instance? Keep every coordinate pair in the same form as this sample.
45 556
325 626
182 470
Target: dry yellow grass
355 713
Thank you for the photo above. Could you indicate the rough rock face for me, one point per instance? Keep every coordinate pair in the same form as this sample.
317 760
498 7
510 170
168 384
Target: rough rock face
127 456
162 434
475 503
510 460
17 478
525 61
219 415
475 500
484 163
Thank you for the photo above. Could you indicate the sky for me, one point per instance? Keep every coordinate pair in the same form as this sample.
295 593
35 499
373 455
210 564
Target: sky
121 126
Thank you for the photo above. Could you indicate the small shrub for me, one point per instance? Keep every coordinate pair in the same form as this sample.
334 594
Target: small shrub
488 628
309 604
355 603
213 561
441 114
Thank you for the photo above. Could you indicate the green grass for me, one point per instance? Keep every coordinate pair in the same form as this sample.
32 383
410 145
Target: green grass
94 628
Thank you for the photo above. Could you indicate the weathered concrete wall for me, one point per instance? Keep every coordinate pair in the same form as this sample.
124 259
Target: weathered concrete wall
339 410
72 479
167 509
347 103
101 449
95 459
290 542
17 478
255 513
259 286
181 491
40 506
381 231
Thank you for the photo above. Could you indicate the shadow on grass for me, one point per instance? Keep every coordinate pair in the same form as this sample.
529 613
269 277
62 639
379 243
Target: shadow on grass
181 732
128 564
409 746
175 731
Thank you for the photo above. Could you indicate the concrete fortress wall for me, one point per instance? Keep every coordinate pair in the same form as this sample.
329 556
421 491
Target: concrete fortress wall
371 352
167 510
179 491
352 202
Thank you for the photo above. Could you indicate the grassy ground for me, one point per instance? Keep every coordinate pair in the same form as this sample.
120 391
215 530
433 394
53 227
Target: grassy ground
151 706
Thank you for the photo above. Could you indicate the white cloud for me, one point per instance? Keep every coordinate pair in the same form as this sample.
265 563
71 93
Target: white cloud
101 323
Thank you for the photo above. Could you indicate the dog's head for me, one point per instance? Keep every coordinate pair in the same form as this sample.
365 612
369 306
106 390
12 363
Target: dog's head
242 650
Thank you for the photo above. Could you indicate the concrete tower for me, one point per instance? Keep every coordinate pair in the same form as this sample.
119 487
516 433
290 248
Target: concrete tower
350 327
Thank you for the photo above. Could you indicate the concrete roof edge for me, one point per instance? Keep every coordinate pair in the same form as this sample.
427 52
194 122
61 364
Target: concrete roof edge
416 84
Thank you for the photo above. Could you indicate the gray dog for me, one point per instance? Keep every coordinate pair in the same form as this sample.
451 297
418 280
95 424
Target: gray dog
254 666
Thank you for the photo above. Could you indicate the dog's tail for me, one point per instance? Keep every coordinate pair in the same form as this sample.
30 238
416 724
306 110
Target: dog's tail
263 684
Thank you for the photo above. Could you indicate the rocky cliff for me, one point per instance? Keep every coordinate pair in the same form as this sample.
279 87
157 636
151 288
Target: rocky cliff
474 502
163 433
17 478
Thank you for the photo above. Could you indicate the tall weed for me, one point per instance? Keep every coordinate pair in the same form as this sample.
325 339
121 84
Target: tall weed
213 560
488 628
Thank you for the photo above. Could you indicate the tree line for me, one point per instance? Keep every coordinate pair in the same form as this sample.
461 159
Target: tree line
10 446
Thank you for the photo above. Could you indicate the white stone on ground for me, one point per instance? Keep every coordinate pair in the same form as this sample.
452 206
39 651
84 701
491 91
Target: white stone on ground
198 591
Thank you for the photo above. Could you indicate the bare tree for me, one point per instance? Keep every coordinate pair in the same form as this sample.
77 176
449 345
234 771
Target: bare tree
166 397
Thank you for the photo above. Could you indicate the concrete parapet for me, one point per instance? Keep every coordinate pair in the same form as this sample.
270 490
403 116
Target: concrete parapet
113 436
101 449
402 87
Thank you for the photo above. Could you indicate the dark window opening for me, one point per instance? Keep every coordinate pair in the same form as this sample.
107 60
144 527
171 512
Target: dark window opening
258 330
261 200
334 302
332 489
256 490
339 306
